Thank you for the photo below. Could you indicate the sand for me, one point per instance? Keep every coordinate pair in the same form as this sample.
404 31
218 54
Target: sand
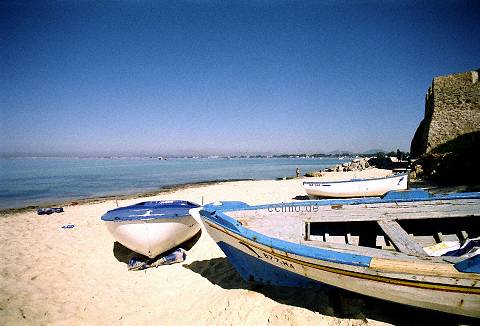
79 276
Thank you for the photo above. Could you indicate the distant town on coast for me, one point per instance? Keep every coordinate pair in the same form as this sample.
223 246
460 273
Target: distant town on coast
334 154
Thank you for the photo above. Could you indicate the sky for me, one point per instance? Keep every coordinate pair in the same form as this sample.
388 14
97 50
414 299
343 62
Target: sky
212 77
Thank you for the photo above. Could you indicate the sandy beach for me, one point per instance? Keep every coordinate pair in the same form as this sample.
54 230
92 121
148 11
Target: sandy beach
108 104
79 276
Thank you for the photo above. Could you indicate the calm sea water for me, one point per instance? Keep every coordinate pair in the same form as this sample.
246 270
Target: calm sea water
33 181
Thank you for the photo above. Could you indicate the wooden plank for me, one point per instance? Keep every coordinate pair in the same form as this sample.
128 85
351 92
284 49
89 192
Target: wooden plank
375 216
400 239
419 268
348 238
438 236
354 249
387 213
307 231
372 212
463 236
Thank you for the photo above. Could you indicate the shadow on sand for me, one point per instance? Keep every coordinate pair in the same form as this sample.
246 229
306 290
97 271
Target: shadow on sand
301 197
123 254
325 300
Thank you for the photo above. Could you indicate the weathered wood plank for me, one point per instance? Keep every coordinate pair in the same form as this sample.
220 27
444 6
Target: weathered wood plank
463 235
366 251
419 267
306 235
375 216
372 212
438 236
400 239
362 212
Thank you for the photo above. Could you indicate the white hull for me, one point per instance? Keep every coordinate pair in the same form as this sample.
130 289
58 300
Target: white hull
356 188
153 236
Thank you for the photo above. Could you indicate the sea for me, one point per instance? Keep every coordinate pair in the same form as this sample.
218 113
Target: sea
36 181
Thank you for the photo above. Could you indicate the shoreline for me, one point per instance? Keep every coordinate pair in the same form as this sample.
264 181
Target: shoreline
50 192
99 199
72 276
416 183
162 190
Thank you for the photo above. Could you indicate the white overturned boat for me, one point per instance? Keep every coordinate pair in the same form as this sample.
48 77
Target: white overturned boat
356 187
153 227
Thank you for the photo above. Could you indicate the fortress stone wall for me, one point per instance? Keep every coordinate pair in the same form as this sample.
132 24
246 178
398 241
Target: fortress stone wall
452 109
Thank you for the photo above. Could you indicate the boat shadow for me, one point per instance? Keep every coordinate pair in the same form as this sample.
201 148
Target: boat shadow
123 254
325 300
301 197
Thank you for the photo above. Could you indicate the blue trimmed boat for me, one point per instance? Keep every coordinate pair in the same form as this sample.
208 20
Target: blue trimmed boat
153 227
356 187
373 246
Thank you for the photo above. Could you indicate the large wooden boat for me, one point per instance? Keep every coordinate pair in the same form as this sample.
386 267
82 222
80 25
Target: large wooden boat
373 246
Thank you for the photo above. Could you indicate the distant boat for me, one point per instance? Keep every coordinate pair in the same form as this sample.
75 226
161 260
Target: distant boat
372 246
356 187
153 227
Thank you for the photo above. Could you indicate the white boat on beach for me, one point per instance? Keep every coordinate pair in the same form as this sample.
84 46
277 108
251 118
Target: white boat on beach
356 187
153 227
379 247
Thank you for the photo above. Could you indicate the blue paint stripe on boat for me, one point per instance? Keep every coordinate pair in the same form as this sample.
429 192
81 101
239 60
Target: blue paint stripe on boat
233 226
149 210
253 269
215 214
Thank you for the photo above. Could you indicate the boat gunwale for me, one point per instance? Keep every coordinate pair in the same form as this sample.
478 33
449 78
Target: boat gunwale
374 270
287 246
216 214
110 216
229 206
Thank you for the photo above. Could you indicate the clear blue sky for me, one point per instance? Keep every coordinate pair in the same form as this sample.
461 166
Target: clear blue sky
180 77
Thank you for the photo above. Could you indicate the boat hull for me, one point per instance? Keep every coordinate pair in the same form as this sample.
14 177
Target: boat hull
152 227
356 188
259 258
154 236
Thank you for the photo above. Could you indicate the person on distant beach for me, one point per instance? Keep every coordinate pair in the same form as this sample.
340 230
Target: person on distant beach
399 155
298 172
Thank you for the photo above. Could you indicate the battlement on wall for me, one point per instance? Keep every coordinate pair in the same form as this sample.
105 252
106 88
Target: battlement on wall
452 109
457 85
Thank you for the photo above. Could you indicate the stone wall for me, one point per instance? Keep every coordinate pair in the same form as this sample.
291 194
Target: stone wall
452 109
